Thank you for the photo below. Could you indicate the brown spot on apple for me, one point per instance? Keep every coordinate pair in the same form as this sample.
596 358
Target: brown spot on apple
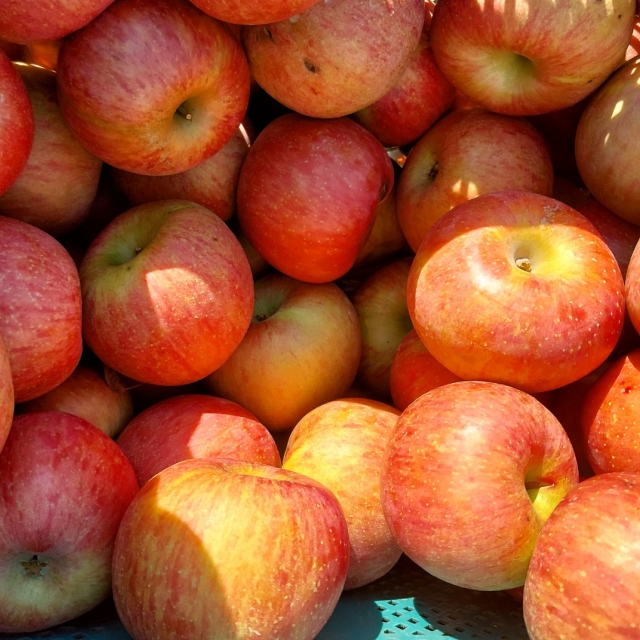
310 66
33 568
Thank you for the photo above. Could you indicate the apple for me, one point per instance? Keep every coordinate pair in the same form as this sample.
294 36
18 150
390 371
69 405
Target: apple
58 185
167 293
606 147
212 183
40 308
381 304
518 288
101 400
302 349
44 53
16 123
6 395
308 193
586 564
336 57
194 426
153 86
341 444
415 371
65 488
232 550
472 471
238 12
530 58
468 153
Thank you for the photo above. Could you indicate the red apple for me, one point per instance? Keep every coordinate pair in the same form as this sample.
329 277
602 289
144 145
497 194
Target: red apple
517 288
232 550
341 444
103 402
167 293
40 308
415 371
153 86
586 564
6 395
466 154
472 472
336 57
44 53
308 193
65 487
59 183
194 426
301 350
533 57
239 12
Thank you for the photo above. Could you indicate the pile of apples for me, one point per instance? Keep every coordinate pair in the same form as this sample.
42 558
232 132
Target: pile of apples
289 288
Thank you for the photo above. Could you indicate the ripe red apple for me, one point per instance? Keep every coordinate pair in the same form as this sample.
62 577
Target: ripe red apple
44 53
16 123
40 308
301 350
153 86
106 404
239 12
586 564
232 550
341 444
58 185
530 58
517 288
167 293
466 154
194 426
308 193
336 57
65 487
6 395
472 472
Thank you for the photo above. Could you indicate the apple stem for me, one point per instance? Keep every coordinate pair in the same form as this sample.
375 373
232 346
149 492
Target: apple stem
182 110
524 264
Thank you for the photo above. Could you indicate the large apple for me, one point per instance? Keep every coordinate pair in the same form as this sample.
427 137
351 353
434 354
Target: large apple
583 576
526 58
153 86
342 444
167 293
308 193
65 487
6 395
226 549
59 183
468 153
262 12
194 426
301 350
472 472
40 308
518 288
336 57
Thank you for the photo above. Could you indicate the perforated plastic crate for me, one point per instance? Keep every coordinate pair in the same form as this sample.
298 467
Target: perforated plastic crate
406 604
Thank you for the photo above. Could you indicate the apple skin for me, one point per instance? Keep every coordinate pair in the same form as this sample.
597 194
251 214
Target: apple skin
341 444
336 57
238 12
153 86
585 567
212 183
472 472
468 153
16 124
167 293
415 371
6 395
89 396
557 55
606 143
194 426
308 192
537 326
40 308
58 185
234 550
302 349
381 304
66 486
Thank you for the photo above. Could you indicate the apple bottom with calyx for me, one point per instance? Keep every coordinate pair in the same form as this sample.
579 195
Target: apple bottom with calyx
472 472
224 549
